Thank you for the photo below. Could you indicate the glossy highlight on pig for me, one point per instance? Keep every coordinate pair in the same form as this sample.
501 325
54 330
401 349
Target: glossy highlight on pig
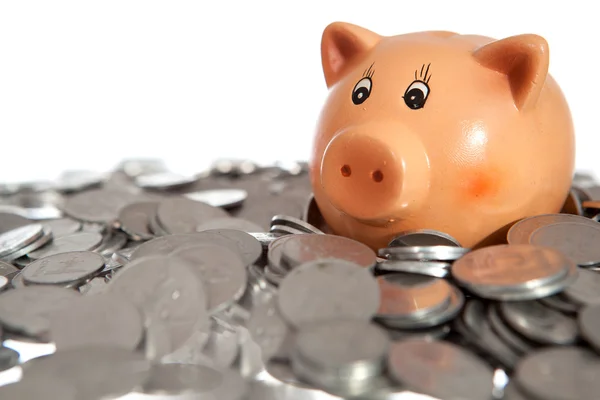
435 130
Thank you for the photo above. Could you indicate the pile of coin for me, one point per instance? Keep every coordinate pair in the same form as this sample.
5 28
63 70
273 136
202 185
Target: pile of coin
145 283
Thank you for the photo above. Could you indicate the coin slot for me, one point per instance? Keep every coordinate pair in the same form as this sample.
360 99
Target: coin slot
377 176
345 170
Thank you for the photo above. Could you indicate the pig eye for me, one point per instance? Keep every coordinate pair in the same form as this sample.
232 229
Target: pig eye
361 91
416 95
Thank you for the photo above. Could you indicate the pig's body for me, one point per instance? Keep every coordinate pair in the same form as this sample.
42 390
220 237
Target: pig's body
491 143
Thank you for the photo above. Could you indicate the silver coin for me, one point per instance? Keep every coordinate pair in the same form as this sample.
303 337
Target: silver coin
27 310
438 368
435 269
284 352
18 238
441 316
275 251
225 385
423 237
585 290
181 215
411 296
248 247
300 249
575 240
98 205
434 333
43 212
156 227
221 270
94 227
550 374
81 241
249 360
561 303
77 180
42 241
273 277
296 223
340 353
425 253
589 323
177 379
10 221
259 288
114 262
222 346
512 392
39 387
99 320
225 198
138 166
539 323
163 180
277 269
520 232
267 328
281 383
230 223
112 373
165 245
63 268
93 287
325 289
167 291
285 230
17 281
4 283
111 243
261 208
63 226
480 334
192 351
124 255
232 387
517 342
134 219
6 268
514 272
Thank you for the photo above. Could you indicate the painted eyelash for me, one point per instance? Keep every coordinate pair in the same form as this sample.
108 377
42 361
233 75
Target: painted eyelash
422 77
369 72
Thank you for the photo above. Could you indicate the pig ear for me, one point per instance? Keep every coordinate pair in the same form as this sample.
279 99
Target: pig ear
524 59
341 45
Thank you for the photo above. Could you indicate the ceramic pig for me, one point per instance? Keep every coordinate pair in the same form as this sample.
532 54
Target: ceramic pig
462 134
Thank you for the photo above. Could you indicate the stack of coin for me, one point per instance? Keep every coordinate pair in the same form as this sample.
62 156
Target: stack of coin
416 304
23 240
146 283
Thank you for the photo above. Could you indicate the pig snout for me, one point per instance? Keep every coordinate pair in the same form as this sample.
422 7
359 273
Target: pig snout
373 174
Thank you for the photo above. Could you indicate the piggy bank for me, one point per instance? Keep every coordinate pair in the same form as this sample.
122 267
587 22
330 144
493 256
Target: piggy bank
462 134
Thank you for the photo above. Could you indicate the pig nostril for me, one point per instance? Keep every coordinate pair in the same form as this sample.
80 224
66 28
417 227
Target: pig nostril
377 176
345 170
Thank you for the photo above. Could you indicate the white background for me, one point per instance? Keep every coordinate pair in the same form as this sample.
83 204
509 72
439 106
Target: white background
84 84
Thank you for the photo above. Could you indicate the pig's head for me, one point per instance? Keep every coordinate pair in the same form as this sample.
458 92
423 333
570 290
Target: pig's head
418 123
